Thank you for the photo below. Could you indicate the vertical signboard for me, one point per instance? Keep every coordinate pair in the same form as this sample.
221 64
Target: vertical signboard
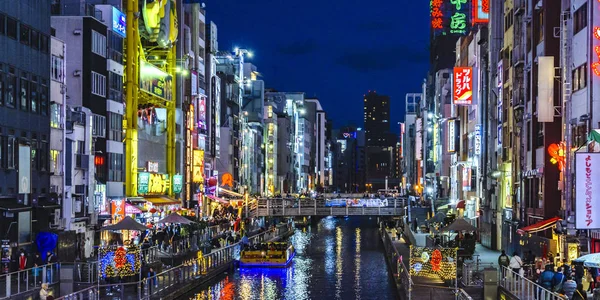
545 81
450 17
477 141
419 140
500 76
481 11
451 135
119 23
587 191
462 89
466 178
24 169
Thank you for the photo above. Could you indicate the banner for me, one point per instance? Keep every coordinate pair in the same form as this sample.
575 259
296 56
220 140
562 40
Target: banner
545 81
587 191
451 135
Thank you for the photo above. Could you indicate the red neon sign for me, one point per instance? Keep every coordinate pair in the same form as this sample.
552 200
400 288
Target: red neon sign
462 93
437 21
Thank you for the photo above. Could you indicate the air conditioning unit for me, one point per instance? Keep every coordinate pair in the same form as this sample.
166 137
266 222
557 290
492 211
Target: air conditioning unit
77 73
77 32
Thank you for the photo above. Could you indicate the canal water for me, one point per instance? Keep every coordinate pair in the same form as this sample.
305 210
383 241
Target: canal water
337 258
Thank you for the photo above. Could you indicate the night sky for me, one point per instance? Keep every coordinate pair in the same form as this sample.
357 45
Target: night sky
334 50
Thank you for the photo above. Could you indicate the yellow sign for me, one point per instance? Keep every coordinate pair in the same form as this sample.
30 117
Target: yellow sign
198 176
227 179
158 184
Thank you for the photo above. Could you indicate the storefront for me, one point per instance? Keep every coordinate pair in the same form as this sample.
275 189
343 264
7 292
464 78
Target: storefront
155 188
540 245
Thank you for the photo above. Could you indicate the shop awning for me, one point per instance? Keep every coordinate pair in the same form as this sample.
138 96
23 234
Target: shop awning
232 193
460 204
221 200
161 200
539 226
13 206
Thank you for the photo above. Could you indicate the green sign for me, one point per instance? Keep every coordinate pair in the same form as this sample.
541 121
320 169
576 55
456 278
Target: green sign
143 182
177 183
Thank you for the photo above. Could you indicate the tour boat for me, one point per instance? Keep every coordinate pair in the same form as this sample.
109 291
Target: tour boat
267 255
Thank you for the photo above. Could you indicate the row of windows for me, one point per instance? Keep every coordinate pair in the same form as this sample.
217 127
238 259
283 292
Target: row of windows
579 77
115 127
27 92
16 30
98 84
9 151
98 43
580 19
115 167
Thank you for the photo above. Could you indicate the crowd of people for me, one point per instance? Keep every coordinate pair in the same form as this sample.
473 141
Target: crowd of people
573 281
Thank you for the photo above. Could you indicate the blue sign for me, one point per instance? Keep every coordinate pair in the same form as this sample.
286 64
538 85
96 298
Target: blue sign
119 22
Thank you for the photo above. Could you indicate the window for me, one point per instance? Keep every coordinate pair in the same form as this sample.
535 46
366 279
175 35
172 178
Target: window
43 90
80 147
580 19
579 77
2 24
42 156
55 115
34 95
11 148
115 167
11 88
115 85
55 162
540 27
35 39
98 126
98 43
24 34
11 28
115 130
2 77
56 65
98 84
44 43
24 93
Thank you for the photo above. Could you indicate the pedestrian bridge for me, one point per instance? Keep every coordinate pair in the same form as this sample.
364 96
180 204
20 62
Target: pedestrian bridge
280 207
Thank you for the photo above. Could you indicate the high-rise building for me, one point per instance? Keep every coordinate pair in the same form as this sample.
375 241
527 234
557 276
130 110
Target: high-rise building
319 142
24 119
377 119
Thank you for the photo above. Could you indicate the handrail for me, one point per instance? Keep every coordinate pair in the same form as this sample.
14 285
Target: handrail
23 281
175 276
524 288
402 275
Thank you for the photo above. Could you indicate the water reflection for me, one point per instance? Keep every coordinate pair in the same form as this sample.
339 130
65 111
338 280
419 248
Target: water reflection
334 260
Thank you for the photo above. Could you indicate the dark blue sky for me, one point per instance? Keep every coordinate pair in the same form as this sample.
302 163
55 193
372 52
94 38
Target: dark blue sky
334 50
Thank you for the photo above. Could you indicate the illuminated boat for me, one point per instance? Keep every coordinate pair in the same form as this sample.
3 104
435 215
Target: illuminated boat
267 255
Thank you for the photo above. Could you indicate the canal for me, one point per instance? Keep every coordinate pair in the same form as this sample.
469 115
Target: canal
337 258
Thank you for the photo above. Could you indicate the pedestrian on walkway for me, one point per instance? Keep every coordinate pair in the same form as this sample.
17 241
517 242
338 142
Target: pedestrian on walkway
579 294
503 262
516 263
579 273
44 291
23 265
558 280
569 287
546 278
566 268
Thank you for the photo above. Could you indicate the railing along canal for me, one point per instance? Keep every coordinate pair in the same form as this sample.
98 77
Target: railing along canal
524 288
172 279
402 277
28 280
330 207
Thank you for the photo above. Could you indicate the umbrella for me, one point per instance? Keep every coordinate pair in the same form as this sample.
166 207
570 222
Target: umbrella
175 218
126 224
589 260
459 225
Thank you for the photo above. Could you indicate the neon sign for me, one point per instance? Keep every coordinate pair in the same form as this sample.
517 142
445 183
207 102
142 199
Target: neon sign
557 155
481 11
596 65
451 16
463 86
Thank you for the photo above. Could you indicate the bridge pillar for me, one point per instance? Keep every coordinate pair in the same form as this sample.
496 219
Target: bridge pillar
346 208
299 207
315 203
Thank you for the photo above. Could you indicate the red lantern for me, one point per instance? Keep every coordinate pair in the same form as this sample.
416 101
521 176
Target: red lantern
153 210
212 182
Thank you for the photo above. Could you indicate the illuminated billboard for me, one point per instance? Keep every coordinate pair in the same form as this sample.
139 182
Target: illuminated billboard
419 140
451 135
587 191
462 89
155 82
119 23
450 17
481 11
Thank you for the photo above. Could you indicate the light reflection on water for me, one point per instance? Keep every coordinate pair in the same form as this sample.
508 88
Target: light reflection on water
334 260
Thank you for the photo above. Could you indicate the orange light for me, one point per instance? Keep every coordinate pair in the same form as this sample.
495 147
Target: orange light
99 160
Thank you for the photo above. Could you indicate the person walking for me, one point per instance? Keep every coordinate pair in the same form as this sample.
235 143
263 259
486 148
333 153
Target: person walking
44 292
566 268
503 262
579 273
569 287
558 280
516 263
579 294
23 265
546 278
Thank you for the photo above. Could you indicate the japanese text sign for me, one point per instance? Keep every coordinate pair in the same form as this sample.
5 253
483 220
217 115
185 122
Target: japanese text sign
462 92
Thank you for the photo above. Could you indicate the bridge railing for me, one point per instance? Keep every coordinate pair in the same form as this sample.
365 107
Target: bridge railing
28 280
325 207
400 272
524 288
